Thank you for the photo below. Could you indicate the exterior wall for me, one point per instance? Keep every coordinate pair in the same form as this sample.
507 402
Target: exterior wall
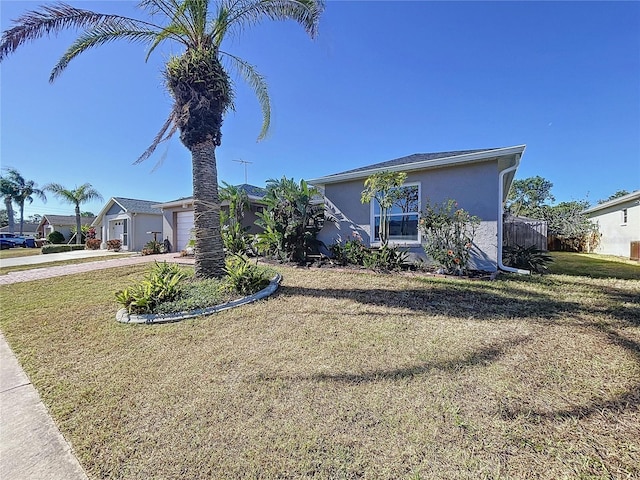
616 237
140 224
473 186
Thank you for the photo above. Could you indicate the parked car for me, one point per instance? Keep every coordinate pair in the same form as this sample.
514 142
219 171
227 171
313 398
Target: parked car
16 240
5 244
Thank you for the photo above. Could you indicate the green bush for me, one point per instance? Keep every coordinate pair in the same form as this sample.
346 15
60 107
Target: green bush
197 294
528 258
61 248
386 259
448 233
244 277
160 285
152 248
55 237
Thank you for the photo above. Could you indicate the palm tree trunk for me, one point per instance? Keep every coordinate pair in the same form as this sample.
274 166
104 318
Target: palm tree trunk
209 248
9 208
21 218
78 225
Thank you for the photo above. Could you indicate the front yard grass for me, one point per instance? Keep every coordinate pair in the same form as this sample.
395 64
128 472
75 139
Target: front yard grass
594 265
19 252
343 374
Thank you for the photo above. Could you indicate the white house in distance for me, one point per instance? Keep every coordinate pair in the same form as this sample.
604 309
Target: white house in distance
134 222
478 180
619 224
64 224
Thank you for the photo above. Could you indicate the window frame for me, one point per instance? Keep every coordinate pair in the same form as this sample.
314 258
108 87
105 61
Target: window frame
373 242
625 216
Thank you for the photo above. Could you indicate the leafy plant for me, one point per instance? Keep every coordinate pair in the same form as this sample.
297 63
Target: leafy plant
351 252
93 243
161 284
528 258
383 188
245 277
448 233
152 247
55 237
386 259
114 244
291 220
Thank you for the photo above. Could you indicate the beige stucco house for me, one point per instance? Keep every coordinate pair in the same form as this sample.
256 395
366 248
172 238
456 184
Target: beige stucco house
478 180
619 224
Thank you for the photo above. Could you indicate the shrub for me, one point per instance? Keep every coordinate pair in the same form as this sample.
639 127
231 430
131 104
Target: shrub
197 294
61 248
93 243
244 277
386 258
152 248
160 285
55 237
529 258
114 244
352 252
448 232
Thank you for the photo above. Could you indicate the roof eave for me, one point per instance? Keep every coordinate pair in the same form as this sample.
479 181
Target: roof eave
423 165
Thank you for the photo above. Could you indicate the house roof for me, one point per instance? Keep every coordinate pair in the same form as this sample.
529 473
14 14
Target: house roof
616 201
421 161
253 192
129 205
64 219
27 227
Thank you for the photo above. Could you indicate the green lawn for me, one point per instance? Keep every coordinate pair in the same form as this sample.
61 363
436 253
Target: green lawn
19 252
594 266
344 374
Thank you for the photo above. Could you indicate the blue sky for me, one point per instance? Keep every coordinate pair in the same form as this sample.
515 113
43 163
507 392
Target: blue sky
382 80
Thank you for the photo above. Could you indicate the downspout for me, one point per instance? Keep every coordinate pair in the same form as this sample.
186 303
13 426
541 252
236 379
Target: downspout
502 266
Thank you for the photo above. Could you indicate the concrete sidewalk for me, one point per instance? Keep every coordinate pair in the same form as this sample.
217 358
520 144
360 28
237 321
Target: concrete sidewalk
43 272
31 446
38 258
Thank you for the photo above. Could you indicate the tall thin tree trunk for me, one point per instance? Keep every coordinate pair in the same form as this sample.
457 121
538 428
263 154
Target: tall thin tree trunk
21 218
9 208
209 248
78 225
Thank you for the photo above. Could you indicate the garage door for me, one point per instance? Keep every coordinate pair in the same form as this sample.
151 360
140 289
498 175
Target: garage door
184 225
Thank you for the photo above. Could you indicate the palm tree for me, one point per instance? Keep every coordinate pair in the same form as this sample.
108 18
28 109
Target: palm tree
9 192
82 194
23 191
197 79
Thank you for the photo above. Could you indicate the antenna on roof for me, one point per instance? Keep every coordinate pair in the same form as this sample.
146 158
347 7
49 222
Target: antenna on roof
245 168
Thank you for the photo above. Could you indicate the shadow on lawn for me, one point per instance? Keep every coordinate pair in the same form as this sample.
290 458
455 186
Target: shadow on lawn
483 356
491 301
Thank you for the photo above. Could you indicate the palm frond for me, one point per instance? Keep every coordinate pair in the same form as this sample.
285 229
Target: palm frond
259 86
96 37
244 13
53 19
168 129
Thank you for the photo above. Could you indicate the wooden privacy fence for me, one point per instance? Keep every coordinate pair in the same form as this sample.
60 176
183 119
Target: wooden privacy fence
525 233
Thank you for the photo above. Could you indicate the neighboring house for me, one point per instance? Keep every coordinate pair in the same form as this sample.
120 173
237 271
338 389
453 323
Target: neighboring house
133 222
28 229
64 224
619 224
178 223
478 180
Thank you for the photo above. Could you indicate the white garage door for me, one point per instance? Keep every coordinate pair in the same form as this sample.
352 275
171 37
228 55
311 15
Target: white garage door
184 221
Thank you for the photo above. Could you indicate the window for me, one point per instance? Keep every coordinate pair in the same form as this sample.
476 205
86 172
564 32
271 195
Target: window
624 216
402 216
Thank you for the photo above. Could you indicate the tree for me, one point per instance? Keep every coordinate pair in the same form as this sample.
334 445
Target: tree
9 191
79 195
528 196
87 214
4 218
35 218
383 187
292 218
23 191
618 194
196 79
567 221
